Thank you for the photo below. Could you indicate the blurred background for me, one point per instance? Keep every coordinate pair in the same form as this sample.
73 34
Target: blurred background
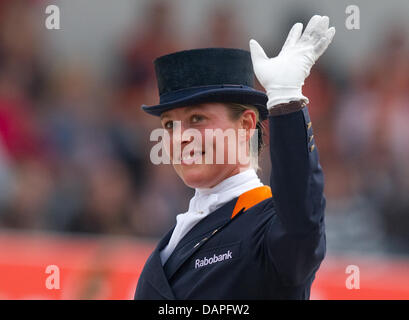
78 190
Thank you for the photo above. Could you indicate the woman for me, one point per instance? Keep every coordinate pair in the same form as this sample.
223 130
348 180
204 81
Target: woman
240 239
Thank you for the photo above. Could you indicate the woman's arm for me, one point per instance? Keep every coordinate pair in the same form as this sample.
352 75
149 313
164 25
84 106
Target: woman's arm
296 179
295 238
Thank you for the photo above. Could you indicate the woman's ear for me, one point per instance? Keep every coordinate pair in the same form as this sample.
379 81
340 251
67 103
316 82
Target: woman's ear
248 119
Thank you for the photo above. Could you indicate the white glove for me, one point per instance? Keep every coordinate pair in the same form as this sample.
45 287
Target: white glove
283 76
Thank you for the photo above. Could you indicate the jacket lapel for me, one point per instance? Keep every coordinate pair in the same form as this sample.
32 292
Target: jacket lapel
209 223
197 236
156 275
212 224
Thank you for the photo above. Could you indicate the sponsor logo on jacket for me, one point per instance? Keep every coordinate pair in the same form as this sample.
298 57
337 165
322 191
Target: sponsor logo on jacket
216 258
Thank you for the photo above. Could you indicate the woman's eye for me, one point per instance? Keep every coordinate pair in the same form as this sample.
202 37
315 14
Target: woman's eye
168 125
196 118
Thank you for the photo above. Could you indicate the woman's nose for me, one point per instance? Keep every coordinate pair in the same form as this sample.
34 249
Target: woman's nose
180 133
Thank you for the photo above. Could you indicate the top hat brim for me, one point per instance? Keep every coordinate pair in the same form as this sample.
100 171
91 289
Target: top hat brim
225 95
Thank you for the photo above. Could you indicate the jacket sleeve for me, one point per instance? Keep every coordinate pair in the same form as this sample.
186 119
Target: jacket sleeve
296 236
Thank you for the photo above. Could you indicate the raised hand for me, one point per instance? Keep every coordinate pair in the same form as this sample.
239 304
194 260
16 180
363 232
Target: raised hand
283 76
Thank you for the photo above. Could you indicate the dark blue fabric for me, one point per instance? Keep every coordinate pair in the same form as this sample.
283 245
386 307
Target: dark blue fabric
206 75
203 67
182 93
221 94
275 247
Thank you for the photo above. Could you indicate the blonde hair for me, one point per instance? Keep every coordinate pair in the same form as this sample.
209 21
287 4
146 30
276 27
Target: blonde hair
236 110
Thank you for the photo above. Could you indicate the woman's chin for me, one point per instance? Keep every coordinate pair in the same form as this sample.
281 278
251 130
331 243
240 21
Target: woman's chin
203 175
196 176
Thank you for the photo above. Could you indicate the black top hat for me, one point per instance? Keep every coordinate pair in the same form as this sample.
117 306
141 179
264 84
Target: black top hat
206 75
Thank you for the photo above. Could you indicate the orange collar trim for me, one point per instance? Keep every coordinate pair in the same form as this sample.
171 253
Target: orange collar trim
251 198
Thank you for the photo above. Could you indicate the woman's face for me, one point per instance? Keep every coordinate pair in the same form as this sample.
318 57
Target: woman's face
201 157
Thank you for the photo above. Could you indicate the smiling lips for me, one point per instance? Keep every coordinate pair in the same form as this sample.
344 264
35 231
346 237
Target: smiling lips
192 158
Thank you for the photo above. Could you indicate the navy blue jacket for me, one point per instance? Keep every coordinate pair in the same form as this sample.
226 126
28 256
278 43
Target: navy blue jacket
270 250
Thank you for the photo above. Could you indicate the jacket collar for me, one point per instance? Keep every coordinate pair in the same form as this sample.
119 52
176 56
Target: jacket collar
211 224
197 236
158 275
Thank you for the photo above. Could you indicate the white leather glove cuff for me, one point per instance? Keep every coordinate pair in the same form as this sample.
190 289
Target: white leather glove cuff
284 95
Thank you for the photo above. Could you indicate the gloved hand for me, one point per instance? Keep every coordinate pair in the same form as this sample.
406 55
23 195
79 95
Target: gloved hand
283 76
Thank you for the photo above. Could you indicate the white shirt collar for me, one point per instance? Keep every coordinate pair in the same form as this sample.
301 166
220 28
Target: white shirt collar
207 200
230 182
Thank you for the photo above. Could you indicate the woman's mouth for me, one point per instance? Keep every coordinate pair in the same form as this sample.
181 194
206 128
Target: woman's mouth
194 157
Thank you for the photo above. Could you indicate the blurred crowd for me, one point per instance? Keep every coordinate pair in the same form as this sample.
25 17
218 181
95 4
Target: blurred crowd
74 148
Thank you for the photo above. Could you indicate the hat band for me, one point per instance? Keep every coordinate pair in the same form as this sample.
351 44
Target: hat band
182 93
